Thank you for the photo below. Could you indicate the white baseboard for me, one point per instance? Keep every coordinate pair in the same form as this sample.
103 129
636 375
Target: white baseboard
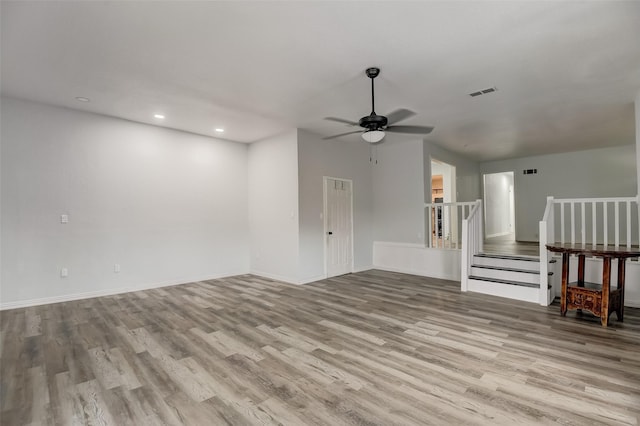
357 269
311 279
275 277
418 272
499 234
108 292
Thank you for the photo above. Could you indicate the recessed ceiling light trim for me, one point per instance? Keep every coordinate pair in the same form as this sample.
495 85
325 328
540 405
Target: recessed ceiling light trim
159 116
82 99
219 130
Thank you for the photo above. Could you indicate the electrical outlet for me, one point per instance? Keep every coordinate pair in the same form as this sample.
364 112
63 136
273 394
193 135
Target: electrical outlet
64 218
116 268
64 273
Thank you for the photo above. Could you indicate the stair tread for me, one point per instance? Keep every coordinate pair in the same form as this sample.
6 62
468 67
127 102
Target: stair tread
502 268
508 256
501 281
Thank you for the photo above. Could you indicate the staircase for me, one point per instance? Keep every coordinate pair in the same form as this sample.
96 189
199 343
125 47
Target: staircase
514 277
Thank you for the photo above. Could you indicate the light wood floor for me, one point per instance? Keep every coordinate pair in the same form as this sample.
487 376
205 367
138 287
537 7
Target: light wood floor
373 348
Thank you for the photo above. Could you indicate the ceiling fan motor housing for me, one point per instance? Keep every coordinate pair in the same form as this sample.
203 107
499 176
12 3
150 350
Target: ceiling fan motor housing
373 122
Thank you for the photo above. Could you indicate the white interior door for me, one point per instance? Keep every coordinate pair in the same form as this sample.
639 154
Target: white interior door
338 226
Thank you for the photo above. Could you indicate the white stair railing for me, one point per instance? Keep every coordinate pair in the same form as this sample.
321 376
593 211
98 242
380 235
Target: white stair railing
472 241
444 222
612 221
546 236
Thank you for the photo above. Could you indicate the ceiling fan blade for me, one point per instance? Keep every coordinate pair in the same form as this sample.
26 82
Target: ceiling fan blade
342 134
399 115
342 120
414 130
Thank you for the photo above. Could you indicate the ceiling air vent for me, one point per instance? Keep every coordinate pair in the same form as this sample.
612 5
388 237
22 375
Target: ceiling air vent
483 92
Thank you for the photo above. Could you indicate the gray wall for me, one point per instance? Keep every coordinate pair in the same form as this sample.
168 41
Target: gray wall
335 158
607 172
398 190
468 185
168 206
273 207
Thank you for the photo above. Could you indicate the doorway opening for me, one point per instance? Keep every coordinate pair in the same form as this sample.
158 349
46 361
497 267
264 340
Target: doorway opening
444 219
499 207
338 226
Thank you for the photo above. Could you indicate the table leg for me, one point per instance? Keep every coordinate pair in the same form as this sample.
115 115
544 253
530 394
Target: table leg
621 272
606 282
580 274
581 270
565 282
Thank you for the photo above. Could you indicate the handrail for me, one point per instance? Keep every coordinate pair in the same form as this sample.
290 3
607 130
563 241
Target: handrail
591 220
599 199
472 242
546 235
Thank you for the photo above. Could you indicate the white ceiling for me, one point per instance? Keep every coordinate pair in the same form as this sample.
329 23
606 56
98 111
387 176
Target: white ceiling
567 73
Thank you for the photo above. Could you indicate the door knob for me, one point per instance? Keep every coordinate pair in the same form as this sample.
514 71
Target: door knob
329 233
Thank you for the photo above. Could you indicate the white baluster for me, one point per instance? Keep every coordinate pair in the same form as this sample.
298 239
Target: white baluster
593 224
582 227
573 226
605 222
628 224
562 222
617 221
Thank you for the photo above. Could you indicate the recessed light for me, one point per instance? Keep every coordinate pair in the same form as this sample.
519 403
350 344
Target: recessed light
219 130
82 99
159 116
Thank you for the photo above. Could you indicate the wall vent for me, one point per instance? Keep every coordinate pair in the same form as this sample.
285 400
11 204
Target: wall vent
483 92
530 172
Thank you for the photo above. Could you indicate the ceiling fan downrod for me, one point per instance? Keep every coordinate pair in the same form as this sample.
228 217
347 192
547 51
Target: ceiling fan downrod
372 73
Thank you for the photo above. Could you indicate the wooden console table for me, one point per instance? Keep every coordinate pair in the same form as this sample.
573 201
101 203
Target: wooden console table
594 297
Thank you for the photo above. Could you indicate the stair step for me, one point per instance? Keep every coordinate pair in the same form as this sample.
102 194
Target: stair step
512 257
508 257
502 268
501 281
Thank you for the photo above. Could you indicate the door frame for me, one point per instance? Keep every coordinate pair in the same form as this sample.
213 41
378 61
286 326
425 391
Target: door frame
325 241
449 195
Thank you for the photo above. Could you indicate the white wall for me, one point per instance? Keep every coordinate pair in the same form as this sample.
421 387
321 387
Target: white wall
607 172
168 206
398 192
334 158
273 207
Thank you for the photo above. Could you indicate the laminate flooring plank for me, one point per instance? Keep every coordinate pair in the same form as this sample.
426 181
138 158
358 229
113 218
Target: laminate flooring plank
371 348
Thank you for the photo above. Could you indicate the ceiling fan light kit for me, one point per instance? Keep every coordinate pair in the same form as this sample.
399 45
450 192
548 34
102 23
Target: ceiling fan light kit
373 136
375 125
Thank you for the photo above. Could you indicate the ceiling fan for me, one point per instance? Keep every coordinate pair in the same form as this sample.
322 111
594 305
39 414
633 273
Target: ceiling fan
375 125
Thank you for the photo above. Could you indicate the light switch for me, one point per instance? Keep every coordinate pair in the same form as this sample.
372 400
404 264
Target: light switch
64 218
64 272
